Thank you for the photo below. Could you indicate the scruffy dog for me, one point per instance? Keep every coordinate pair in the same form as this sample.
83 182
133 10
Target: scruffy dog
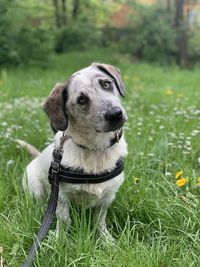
88 109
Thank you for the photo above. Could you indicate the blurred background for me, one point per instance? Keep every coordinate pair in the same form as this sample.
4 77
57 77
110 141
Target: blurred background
162 31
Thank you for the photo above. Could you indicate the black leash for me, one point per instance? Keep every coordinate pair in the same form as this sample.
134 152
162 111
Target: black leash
52 204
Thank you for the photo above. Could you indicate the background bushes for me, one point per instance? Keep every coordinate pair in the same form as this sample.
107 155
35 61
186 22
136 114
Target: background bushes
25 46
76 37
153 38
151 34
21 44
8 53
150 38
35 45
194 46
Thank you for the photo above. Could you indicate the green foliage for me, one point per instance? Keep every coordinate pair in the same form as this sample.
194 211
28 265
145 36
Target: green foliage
77 37
154 222
26 46
8 52
155 38
194 46
21 44
151 37
29 35
35 45
118 36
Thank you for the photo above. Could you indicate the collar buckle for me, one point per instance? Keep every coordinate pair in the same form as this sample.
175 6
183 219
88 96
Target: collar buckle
117 136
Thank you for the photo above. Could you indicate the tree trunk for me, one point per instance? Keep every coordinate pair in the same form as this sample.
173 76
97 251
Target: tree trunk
64 15
57 14
181 28
75 10
168 5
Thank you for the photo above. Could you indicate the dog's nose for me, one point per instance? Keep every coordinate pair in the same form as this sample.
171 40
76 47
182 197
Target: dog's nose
114 114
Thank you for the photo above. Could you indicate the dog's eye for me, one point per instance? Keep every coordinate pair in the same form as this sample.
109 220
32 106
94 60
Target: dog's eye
82 99
106 85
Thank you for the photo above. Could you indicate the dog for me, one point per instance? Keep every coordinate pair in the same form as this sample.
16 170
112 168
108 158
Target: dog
88 110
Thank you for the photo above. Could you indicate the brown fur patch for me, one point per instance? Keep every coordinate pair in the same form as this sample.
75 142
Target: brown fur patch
55 106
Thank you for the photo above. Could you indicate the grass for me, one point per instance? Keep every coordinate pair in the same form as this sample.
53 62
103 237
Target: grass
155 223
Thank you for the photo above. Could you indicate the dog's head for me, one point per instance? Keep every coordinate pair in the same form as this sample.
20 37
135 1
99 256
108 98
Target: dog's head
90 100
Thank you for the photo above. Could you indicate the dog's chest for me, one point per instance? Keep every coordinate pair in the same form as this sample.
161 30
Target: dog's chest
92 162
86 195
90 195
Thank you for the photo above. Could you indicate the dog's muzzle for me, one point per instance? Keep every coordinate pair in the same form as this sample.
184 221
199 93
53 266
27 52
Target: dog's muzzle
115 118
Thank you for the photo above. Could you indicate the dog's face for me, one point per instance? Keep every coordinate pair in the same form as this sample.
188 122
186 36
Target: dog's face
88 100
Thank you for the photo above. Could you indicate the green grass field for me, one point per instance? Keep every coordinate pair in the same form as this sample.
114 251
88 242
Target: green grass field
155 222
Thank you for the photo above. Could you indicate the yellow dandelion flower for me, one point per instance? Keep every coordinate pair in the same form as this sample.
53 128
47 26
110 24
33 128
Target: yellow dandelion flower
1 82
198 180
126 77
178 174
181 182
168 92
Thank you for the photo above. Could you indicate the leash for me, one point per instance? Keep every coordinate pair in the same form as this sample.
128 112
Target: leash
52 204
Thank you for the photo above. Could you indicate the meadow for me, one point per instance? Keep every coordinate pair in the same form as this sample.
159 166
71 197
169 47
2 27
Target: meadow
155 218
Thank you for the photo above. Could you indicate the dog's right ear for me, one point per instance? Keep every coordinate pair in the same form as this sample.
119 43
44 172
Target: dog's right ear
55 106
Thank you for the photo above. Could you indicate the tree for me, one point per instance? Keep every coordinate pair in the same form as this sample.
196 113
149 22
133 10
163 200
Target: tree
182 38
64 13
169 5
75 9
57 13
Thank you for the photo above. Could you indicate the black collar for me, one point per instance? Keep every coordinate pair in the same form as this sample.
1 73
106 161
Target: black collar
114 140
69 175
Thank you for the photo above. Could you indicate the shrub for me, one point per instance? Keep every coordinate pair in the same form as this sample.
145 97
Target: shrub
77 37
194 47
8 53
153 37
111 35
35 45
19 44
150 36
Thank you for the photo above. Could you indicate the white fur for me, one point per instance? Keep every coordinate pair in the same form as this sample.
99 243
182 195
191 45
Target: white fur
31 149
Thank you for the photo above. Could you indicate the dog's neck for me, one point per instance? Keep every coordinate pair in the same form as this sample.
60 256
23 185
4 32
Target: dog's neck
114 140
91 140
93 160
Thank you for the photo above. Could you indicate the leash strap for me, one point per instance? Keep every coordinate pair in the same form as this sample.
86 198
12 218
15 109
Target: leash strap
52 204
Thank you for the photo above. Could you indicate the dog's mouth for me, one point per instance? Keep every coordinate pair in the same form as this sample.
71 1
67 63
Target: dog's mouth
112 126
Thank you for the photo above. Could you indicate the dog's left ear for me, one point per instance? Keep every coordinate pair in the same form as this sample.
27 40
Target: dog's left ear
114 73
55 107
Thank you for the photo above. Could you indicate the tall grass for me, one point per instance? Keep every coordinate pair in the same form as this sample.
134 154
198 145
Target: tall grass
155 222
